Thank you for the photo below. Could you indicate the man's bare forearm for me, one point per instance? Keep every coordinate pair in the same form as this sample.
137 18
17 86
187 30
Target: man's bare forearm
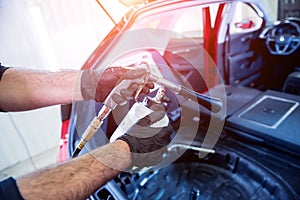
23 89
77 178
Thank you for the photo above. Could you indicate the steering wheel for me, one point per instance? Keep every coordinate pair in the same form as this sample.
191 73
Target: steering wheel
282 38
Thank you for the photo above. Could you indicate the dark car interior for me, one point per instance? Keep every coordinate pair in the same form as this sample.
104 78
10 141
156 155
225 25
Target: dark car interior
282 43
257 155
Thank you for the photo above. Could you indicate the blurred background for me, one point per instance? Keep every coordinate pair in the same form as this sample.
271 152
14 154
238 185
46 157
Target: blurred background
52 35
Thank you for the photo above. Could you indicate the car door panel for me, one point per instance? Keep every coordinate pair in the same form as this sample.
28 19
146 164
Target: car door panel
243 60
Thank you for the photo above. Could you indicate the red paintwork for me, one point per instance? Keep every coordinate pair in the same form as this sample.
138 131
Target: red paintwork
63 146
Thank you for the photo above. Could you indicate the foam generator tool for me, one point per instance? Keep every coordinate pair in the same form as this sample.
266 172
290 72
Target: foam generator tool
212 104
108 105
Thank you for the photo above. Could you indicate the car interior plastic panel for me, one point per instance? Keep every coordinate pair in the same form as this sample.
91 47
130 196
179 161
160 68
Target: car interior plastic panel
272 117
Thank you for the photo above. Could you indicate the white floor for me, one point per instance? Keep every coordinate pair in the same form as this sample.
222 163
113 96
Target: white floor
26 166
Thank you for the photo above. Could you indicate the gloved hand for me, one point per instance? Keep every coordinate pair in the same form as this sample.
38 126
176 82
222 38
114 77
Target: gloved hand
147 143
96 84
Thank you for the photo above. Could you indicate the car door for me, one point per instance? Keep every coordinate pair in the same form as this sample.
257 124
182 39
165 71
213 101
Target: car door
238 53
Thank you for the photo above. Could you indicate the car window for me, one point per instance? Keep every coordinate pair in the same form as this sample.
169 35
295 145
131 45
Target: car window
172 27
186 21
190 23
245 19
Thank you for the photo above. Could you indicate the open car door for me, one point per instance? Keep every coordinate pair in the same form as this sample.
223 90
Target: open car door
238 56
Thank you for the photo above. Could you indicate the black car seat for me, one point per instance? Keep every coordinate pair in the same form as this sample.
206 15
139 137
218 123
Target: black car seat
292 83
